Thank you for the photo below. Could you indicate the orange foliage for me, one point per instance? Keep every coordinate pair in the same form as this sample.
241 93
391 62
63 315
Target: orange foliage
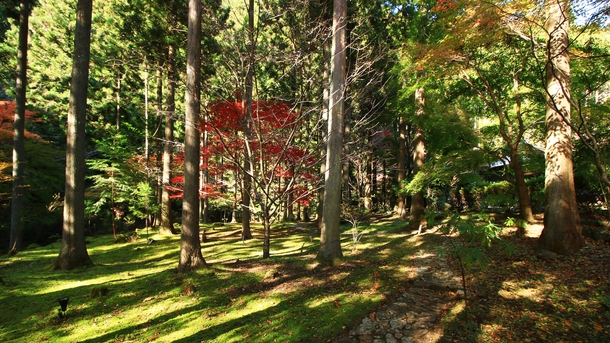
7 116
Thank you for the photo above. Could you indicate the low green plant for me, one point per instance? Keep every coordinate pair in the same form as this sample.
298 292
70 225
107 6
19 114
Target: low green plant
475 233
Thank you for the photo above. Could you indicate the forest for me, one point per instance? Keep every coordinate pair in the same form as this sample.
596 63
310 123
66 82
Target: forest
229 171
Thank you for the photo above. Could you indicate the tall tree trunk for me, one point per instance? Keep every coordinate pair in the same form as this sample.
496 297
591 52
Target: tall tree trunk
330 240
234 207
524 197
401 207
167 218
368 181
73 251
416 214
561 233
16 237
247 178
190 247
205 175
159 144
346 160
323 133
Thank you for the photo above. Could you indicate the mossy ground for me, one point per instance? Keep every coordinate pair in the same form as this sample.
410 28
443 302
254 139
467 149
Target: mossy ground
240 296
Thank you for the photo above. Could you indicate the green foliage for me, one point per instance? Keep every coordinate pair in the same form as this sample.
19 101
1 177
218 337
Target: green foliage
519 223
494 195
118 180
144 201
44 182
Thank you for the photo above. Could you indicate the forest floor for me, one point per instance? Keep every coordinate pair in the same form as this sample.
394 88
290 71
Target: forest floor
134 295
523 296
513 297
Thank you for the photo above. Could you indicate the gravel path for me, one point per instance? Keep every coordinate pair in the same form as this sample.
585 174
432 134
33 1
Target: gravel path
414 316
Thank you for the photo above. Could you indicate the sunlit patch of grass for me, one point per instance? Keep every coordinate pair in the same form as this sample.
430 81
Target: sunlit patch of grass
235 299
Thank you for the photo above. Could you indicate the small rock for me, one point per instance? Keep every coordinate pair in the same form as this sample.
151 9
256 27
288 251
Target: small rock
397 323
547 255
389 338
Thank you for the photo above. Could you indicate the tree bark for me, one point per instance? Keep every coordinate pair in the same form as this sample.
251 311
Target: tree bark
330 242
16 236
167 218
190 247
266 232
416 213
561 233
247 178
324 133
368 180
401 206
525 204
73 251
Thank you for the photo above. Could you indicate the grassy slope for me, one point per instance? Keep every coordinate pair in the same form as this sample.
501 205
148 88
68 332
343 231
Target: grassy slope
287 297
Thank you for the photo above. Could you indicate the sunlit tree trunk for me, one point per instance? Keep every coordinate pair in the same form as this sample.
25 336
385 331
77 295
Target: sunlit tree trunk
416 214
190 247
561 233
73 251
16 236
330 243
167 218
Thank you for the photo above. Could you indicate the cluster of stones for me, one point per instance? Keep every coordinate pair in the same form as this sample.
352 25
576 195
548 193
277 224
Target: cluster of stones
413 317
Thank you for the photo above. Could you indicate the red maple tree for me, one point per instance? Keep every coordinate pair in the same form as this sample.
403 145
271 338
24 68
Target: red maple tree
7 116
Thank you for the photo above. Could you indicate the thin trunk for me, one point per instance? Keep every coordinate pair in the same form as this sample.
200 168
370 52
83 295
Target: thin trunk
266 233
330 242
561 233
234 207
73 251
419 152
524 197
190 247
323 133
204 203
146 133
346 161
118 104
400 209
16 236
368 186
247 178
167 218
159 145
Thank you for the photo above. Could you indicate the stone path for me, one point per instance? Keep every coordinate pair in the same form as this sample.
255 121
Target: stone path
414 316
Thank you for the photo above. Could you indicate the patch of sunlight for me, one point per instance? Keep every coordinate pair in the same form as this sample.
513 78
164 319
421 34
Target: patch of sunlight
339 276
180 327
452 315
115 316
320 301
252 306
488 330
113 278
532 291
